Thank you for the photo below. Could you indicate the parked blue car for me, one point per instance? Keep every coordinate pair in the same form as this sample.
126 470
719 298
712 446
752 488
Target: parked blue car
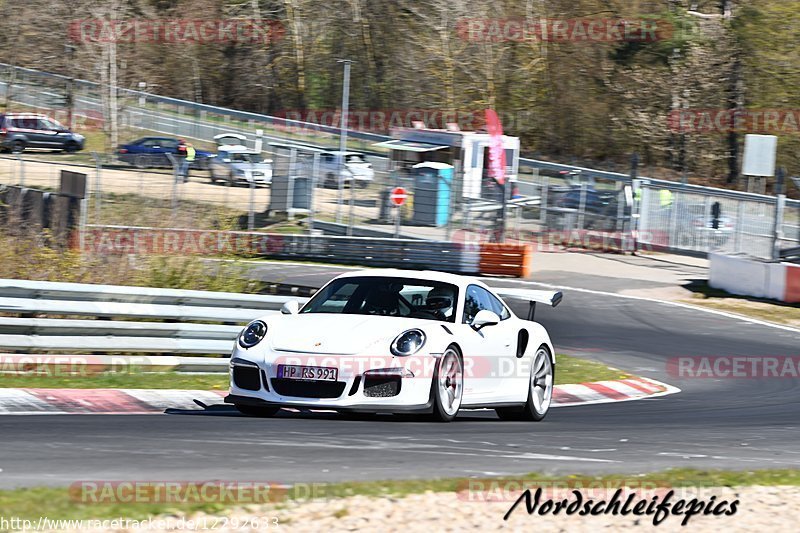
152 152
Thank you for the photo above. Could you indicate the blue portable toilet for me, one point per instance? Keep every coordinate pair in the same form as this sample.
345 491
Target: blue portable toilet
432 188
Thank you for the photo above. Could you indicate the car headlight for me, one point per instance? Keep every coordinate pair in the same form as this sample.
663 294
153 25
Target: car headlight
408 343
252 334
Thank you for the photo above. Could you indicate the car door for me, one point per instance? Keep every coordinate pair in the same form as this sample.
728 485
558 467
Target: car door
46 133
29 126
167 146
486 351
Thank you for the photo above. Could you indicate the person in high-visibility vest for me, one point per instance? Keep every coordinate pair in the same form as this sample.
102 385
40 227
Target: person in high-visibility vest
188 160
665 198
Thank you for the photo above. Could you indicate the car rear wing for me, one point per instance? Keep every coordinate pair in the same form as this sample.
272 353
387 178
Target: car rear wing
551 298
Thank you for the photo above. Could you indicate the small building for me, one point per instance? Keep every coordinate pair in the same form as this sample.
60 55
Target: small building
466 151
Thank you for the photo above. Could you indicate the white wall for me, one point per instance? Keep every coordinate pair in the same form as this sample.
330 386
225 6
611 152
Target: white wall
747 277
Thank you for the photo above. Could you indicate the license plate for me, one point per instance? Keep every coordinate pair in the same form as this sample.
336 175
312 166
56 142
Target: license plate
316 373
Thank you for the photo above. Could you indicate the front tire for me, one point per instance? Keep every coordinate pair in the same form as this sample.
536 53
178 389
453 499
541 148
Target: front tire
448 386
257 411
540 390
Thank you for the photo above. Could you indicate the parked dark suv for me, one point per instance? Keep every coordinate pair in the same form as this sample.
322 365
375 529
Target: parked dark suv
19 131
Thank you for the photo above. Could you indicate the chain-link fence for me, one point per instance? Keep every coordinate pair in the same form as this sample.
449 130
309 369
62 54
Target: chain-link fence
552 203
699 220
292 190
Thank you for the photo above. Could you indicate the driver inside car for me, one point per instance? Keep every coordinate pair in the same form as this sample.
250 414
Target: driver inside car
382 300
440 302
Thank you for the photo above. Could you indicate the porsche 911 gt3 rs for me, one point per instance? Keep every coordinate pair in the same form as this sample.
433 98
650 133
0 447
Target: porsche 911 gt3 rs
399 342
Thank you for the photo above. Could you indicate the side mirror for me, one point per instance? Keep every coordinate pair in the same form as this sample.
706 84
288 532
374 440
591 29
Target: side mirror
484 318
292 307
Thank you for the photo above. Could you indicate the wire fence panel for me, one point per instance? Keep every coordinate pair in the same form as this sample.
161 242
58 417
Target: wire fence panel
702 222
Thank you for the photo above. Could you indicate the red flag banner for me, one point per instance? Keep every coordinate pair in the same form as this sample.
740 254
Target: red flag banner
497 155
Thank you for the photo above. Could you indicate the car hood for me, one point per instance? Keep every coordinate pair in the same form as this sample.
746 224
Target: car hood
360 169
323 333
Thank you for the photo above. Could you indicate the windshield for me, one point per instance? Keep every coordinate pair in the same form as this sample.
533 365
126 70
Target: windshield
245 158
387 296
355 158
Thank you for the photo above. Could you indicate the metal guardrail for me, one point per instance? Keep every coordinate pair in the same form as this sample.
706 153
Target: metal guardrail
164 311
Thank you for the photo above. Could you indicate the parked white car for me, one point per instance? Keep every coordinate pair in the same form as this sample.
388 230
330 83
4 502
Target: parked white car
355 167
400 342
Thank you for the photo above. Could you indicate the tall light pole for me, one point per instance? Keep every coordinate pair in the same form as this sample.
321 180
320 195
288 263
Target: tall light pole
343 139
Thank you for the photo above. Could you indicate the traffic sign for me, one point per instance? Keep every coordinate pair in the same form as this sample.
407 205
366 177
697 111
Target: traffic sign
398 196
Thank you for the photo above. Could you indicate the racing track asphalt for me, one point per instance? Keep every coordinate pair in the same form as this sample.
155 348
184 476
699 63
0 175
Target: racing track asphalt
725 423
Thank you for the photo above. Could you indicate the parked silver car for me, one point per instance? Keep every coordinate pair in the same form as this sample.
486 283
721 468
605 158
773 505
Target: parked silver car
355 167
240 165
235 162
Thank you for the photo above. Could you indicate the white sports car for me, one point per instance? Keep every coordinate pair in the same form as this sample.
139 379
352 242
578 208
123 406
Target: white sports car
400 342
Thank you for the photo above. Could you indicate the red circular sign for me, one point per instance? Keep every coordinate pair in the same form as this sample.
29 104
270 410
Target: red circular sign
398 196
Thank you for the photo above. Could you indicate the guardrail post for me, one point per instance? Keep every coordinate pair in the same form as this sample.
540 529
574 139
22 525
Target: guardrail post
98 191
21 170
737 242
397 216
777 230
582 207
175 177
543 202
251 214
705 240
314 174
673 220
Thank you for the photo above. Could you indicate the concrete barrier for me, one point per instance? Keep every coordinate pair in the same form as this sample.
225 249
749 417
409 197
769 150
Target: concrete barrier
747 276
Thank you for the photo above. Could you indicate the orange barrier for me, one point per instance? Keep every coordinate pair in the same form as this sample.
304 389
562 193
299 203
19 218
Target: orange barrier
792 284
506 259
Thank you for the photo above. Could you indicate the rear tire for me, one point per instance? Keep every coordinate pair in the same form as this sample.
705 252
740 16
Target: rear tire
17 147
448 386
257 411
140 161
540 390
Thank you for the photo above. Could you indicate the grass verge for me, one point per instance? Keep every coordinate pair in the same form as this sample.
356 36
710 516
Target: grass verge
63 504
760 308
576 370
116 380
